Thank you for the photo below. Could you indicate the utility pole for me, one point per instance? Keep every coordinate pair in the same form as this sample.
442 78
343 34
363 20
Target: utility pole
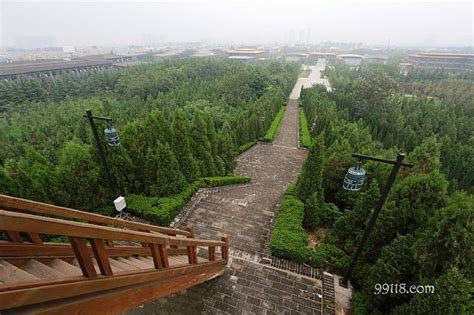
397 164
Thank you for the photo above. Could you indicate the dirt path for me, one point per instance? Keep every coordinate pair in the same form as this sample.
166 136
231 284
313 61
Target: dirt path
245 213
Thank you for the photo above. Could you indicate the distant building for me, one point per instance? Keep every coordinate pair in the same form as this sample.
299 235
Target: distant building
245 54
243 58
296 57
375 59
110 57
172 54
350 59
202 53
405 68
49 68
442 60
323 55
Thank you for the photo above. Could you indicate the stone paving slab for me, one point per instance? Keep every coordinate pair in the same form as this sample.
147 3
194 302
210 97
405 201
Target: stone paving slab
245 288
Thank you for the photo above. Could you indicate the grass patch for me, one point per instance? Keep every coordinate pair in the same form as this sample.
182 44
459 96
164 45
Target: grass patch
163 210
305 136
275 126
305 73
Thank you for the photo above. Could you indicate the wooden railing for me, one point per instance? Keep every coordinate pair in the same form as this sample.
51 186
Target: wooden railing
24 205
95 241
78 232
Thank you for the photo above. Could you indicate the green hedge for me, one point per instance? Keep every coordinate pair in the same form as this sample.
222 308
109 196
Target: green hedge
162 210
305 136
273 130
246 146
288 238
225 180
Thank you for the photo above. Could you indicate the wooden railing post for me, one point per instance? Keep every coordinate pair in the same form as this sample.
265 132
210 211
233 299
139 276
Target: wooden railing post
190 229
212 253
107 242
101 256
34 238
147 231
225 248
192 252
160 255
173 246
14 236
82 254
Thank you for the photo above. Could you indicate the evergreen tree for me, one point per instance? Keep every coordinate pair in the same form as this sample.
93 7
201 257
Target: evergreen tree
396 264
82 184
311 177
202 149
169 180
311 207
182 149
426 156
452 295
448 237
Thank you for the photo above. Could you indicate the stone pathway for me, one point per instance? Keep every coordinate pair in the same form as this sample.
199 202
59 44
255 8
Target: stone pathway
245 213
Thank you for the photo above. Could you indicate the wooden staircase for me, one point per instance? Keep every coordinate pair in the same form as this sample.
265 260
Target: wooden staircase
109 265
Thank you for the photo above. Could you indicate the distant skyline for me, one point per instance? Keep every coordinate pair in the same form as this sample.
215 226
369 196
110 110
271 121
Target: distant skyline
40 23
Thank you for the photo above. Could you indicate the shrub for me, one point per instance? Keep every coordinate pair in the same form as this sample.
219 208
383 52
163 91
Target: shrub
305 136
291 190
288 238
225 180
273 130
162 211
327 214
327 255
246 146
359 304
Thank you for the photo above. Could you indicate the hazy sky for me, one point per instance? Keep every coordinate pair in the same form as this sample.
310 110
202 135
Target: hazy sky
121 23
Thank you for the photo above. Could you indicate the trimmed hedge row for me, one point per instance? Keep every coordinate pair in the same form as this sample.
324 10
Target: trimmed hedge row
273 130
288 238
244 147
225 180
162 210
305 136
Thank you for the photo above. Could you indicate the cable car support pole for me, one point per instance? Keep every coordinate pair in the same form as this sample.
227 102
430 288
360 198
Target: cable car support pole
100 150
378 208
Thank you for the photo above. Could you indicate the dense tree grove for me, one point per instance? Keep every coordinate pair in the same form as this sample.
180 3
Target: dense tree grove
401 111
425 231
178 121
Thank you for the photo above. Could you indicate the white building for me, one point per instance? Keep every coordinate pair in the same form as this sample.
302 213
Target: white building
350 59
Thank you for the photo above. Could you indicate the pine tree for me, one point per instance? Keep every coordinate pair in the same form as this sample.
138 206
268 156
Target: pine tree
311 178
201 146
452 295
169 179
227 151
181 147
448 237
311 207
82 184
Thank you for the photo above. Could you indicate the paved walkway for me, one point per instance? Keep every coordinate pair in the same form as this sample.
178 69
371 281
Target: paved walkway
245 213
314 78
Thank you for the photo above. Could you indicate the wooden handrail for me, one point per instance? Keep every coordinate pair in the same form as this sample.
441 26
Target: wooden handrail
14 203
22 222
12 250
